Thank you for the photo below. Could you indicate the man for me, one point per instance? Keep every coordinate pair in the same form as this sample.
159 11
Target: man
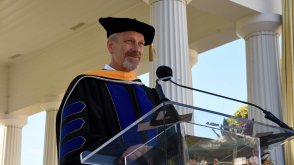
99 104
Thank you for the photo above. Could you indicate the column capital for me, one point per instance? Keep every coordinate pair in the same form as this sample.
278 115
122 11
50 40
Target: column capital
257 23
193 56
50 106
149 2
13 120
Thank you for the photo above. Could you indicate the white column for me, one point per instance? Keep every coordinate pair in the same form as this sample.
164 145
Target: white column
193 59
171 46
263 66
11 139
50 149
2 143
3 87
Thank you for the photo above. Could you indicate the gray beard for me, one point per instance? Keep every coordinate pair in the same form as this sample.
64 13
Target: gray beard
129 65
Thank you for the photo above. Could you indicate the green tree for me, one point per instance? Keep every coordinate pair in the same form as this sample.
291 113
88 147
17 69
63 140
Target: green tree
242 112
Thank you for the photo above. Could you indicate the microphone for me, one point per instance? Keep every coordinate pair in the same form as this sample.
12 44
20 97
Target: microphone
165 73
166 114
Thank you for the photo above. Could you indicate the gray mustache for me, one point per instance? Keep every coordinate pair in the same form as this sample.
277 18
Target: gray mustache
134 54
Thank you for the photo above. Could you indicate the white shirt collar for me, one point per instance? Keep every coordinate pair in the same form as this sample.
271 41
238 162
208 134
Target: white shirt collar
107 67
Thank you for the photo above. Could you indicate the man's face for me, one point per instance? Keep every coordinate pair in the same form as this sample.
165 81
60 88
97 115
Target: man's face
126 49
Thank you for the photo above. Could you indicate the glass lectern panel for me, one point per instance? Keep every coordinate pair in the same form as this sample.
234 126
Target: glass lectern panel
195 136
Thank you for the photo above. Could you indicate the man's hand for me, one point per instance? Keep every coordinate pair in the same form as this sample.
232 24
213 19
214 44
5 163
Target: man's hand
134 152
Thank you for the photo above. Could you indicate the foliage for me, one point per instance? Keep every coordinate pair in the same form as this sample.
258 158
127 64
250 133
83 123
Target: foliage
242 112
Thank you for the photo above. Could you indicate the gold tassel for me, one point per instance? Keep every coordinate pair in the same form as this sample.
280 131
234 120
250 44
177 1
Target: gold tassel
151 52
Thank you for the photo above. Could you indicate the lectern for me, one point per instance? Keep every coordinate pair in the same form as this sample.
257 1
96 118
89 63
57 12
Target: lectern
199 136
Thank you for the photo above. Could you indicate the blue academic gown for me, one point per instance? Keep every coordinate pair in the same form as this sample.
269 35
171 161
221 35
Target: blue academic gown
97 106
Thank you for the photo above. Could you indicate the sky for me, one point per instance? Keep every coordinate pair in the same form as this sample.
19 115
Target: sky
221 70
